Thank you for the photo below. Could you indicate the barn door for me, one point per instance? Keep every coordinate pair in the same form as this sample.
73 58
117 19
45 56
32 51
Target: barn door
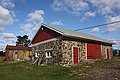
93 51
75 55
108 52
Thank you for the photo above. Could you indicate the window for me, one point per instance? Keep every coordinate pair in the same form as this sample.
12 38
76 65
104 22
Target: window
36 55
48 54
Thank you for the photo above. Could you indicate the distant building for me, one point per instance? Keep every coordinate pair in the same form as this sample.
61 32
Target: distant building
67 47
116 52
18 53
2 53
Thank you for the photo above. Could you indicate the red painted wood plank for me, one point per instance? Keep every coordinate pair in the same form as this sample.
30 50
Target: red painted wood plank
44 34
75 55
93 51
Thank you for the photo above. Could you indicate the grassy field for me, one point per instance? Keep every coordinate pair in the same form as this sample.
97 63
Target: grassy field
100 70
1 59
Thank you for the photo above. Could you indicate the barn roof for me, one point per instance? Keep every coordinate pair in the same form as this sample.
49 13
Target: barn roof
71 33
74 34
10 47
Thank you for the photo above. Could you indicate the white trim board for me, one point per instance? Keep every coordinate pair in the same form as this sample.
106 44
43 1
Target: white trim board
53 29
53 39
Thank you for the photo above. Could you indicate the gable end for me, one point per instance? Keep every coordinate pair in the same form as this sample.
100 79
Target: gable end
43 34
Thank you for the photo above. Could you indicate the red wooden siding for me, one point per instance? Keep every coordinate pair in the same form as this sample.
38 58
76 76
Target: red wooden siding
75 55
44 34
93 51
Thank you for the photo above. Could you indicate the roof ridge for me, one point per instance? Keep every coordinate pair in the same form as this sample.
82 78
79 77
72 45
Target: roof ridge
53 27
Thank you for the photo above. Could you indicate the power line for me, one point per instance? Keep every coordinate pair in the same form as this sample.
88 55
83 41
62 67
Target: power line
98 25
114 40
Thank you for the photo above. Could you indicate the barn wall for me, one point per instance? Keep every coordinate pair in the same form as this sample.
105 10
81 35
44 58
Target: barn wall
67 51
56 52
104 52
21 55
62 51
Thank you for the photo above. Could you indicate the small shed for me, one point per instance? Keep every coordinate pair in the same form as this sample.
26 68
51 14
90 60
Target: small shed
67 47
18 53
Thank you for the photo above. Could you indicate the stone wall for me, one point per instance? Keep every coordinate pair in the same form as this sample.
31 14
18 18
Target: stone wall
104 51
56 52
62 52
67 51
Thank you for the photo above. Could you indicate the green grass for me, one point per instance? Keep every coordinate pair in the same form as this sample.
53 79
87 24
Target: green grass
1 59
25 71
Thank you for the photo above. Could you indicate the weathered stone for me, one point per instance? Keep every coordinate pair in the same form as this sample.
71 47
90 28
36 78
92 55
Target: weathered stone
67 51
56 51
62 52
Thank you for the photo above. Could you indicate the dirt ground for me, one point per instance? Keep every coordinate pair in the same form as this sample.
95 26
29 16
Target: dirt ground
106 70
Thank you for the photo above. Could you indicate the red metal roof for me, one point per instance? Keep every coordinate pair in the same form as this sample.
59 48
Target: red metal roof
18 47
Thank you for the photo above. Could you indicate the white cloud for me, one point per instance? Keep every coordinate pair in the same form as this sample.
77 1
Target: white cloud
106 6
96 29
56 23
117 43
103 7
72 6
7 3
36 16
6 18
6 38
110 9
88 15
8 35
27 28
105 10
115 26
2 46
34 21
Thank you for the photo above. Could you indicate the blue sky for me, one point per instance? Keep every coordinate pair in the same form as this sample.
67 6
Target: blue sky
19 17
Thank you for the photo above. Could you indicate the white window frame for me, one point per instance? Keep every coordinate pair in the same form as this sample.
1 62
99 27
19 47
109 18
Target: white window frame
48 53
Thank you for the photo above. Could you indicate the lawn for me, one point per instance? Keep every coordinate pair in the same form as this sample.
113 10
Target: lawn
100 70
1 59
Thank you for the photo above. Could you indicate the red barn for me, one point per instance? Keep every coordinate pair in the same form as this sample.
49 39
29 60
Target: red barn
67 47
